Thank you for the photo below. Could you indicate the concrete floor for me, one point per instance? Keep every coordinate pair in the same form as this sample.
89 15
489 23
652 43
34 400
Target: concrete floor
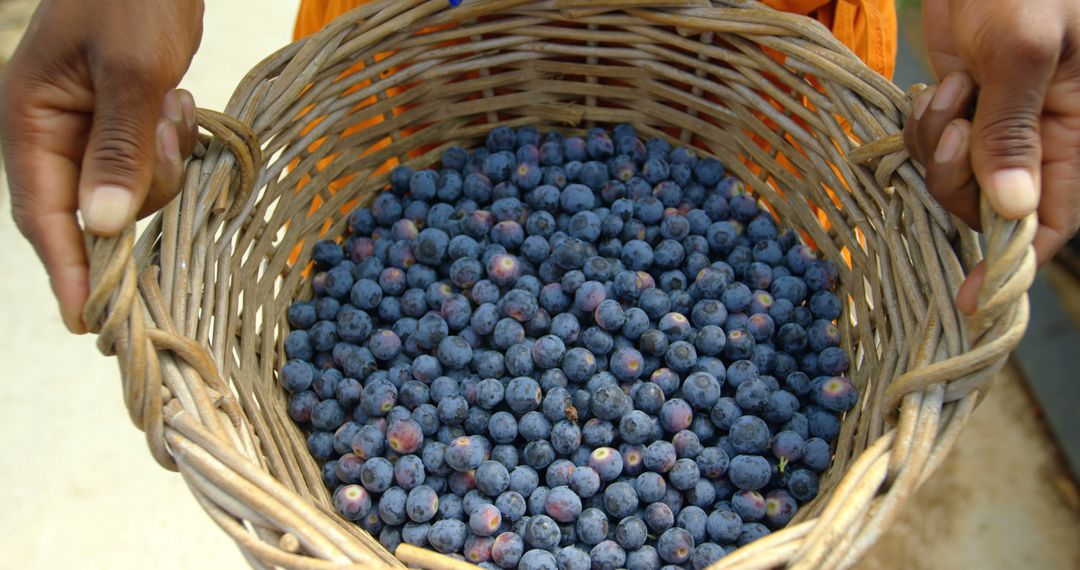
79 489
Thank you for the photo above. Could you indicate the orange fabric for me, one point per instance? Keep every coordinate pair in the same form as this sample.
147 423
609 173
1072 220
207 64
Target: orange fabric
867 27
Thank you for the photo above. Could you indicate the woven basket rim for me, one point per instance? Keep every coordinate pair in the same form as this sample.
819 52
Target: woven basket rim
193 307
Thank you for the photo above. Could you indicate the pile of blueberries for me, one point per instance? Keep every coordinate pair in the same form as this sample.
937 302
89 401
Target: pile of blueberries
569 353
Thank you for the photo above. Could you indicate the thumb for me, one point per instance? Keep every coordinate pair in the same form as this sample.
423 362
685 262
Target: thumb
118 166
1006 149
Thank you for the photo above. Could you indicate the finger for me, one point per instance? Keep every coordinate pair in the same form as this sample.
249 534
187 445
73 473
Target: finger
1006 150
174 140
940 45
914 124
188 130
951 100
43 205
168 169
1047 242
119 160
967 298
1059 212
949 175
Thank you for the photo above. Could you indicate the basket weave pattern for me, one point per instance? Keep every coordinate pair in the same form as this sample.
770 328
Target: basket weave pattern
194 307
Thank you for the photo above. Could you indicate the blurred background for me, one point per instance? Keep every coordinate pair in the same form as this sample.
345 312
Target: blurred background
79 488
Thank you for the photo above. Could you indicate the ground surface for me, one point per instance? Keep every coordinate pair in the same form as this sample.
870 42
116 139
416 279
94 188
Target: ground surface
79 489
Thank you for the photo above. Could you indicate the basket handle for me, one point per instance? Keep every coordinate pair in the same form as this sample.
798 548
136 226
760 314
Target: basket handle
134 322
1001 316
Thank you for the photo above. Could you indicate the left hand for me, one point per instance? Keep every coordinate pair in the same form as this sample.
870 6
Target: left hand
1021 61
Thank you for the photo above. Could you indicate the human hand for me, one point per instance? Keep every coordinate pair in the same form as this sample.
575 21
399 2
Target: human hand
1020 61
90 122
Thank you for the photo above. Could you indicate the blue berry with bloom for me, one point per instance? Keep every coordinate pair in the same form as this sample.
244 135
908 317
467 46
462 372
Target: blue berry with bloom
634 299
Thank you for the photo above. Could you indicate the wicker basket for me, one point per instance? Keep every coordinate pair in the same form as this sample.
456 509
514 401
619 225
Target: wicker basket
194 306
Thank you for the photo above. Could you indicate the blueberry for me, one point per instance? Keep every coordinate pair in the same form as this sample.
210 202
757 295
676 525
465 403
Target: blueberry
703 494
563 505
538 559
607 555
321 445
739 345
687 444
485 520
565 437
675 415
492 478
693 520
681 356
422 504
592 526
649 398
578 363
584 481
301 405
780 507
296 376
833 361
409 472
675 545
713 462
749 472
781 406
637 255
505 454
454 352
453 410
660 456
701 390
791 288
573 558
507 333
511 504
477 550
461 483
464 454
542 532
816 454
659 516
610 403
523 394
352 501
507 550
447 535
749 434
636 427
834 393
752 395
539 454
684 474
607 462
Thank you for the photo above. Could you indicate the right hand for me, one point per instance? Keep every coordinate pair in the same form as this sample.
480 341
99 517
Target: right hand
1017 64
91 122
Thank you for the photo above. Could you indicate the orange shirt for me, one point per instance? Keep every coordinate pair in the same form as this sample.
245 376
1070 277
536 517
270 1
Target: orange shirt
867 27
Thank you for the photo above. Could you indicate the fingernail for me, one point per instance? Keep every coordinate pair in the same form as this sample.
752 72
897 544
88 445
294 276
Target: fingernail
1013 192
923 101
168 142
171 107
948 92
187 104
949 144
73 322
108 210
